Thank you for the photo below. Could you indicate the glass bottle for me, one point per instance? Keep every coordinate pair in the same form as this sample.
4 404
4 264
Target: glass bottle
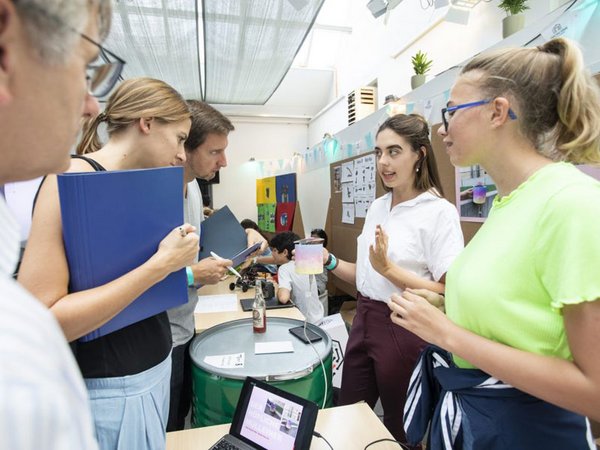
259 309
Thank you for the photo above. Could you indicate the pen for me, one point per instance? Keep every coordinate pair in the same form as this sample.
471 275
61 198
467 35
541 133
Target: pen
231 269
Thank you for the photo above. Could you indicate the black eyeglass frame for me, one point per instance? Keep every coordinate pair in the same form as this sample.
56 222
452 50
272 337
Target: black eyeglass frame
118 65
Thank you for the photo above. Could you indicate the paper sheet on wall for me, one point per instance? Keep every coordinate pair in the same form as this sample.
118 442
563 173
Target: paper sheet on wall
348 192
427 109
348 213
361 206
364 184
233 361
348 171
216 303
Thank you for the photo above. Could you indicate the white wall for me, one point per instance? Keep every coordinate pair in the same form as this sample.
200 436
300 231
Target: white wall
381 51
263 140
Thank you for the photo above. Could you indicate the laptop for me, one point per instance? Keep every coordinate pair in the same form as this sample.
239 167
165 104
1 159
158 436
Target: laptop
268 418
272 303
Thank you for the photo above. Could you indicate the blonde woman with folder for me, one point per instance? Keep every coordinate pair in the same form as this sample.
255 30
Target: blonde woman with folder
127 372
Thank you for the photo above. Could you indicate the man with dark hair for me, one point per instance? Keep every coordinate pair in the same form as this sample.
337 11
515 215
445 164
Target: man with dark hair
45 48
299 288
205 156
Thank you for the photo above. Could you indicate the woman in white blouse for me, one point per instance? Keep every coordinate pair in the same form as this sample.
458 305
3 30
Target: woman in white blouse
410 237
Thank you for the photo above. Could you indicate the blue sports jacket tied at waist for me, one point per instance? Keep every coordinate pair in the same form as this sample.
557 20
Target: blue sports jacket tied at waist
470 410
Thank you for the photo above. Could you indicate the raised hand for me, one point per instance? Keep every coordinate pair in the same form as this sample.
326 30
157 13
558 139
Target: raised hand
378 252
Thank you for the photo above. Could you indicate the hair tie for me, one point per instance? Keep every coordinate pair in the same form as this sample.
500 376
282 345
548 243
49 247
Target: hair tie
101 117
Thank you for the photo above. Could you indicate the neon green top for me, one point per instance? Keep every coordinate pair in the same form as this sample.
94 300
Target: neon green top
538 250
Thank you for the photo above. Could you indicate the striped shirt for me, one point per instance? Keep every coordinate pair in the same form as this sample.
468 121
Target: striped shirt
43 401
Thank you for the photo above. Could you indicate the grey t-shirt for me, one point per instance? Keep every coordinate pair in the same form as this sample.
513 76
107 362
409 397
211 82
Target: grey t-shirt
182 317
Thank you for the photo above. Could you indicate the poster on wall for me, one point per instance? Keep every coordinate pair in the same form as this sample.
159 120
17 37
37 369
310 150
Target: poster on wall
269 190
260 191
261 216
284 216
285 188
270 217
475 193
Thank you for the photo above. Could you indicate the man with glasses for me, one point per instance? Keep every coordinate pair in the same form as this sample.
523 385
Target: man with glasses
47 78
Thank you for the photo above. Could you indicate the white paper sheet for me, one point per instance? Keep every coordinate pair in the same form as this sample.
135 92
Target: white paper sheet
347 192
216 303
348 213
233 361
347 171
273 347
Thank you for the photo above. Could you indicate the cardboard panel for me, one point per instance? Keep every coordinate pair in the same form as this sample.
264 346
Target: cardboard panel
342 236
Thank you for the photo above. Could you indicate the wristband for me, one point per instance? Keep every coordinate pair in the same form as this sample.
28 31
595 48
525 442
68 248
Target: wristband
328 260
190 276
333 263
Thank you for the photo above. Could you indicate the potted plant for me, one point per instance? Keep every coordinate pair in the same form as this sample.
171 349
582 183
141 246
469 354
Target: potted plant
421 66
515 20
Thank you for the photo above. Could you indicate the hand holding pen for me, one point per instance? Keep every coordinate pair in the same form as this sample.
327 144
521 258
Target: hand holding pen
229 267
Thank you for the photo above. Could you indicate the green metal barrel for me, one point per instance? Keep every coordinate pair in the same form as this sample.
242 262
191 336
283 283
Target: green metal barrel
217 388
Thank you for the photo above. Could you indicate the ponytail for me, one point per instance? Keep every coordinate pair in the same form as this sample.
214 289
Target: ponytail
556 99
577 131
90 142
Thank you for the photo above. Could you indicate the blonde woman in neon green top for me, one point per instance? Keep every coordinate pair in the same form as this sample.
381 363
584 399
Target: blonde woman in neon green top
522 298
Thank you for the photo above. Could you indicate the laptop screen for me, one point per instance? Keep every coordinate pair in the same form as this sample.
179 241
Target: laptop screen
272 419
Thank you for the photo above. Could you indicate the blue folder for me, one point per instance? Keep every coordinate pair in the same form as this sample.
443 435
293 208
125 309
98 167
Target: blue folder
112 223
222 234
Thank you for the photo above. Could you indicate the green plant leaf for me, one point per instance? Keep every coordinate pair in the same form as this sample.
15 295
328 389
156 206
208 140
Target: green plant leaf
513 7
421 64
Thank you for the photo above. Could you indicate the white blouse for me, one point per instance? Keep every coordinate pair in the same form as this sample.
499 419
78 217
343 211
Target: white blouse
424 238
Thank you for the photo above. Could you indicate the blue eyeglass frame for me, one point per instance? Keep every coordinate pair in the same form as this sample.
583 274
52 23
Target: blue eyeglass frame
511 113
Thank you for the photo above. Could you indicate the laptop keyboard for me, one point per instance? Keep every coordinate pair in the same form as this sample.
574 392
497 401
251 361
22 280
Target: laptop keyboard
224 445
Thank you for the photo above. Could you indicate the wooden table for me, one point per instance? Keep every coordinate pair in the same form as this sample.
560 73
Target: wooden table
345 427
206 320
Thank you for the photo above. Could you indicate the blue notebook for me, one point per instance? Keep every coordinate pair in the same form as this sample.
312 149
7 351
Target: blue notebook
222 233
112 223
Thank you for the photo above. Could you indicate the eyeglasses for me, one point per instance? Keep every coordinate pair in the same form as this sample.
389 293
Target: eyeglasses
448 112
102 74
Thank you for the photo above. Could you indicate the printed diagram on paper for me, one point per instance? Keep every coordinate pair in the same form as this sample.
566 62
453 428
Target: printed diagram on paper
357 182
364 184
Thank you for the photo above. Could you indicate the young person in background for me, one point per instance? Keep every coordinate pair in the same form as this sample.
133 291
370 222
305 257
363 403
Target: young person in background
264 259
299 288
45 48
424 238
127 372
522 299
